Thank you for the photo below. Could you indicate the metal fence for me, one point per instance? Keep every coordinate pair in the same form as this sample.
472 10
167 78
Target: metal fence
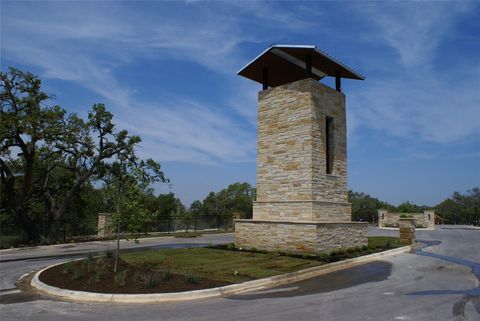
14 235
80 230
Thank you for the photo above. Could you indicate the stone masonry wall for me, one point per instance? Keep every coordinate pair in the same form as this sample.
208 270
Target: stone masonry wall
340 236
276 236
103 225
422 220
291 161
407 230
304 211
329 103
301 237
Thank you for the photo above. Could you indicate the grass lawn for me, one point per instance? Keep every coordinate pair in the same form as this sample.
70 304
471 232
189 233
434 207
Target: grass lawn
384 241
225 265
239 266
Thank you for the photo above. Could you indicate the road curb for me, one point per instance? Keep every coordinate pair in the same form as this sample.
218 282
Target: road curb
228 290
397 228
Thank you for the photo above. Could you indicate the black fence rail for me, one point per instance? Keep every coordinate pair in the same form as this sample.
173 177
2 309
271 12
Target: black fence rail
12 235
195 223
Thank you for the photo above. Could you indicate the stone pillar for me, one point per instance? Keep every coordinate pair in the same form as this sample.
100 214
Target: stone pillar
294 181
407 230
429 219
104 225
382 217
302 194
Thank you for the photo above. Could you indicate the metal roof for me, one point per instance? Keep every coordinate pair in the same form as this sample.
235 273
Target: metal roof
288 63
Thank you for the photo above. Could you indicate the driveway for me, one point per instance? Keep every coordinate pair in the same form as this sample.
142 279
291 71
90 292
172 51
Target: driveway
438 282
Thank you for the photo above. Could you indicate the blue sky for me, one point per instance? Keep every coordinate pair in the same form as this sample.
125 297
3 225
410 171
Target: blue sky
167 70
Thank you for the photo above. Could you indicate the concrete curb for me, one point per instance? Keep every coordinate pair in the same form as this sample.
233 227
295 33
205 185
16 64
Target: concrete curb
396 228
259 284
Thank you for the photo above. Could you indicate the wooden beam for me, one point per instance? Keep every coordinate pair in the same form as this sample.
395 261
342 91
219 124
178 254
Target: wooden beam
265 78
308 65
338 82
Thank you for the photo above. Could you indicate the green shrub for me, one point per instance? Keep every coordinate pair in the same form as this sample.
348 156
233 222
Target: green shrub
68 268
166 275
120 278
110 254
100 261
99 274
77 274
365 247
351 250
145 266
191 278
148 279
91 267
323 256
96 277
231 246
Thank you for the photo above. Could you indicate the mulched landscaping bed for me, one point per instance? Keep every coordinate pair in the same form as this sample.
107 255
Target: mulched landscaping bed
186 269
58 276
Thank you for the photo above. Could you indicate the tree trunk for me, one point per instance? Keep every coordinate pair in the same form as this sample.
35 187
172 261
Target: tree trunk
55 229
27 224
117 252
16 203
58 212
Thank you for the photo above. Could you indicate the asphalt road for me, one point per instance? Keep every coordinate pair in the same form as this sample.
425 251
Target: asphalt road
438 282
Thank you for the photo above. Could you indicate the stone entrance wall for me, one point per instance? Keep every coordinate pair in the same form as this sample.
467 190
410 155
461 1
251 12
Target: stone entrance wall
422 220
104 225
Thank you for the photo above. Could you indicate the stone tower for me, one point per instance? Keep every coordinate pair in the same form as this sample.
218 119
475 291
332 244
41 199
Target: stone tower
302 204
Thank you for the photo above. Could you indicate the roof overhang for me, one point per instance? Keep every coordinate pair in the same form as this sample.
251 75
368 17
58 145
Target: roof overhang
289 63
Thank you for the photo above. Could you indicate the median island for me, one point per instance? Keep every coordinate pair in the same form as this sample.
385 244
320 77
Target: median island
187 269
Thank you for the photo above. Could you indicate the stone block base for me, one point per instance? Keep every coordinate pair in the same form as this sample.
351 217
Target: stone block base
299 237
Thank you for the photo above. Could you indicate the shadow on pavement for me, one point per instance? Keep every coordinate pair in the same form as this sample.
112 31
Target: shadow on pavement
473 294
370 272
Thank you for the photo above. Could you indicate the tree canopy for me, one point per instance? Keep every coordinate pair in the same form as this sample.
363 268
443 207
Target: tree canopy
48 155
237 198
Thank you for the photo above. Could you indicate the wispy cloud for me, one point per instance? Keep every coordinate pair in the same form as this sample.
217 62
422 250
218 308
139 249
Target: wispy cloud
87 44
56 42
418 101
413 29
188 131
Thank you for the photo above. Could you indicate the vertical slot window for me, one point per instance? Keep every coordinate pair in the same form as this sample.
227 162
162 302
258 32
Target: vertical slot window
329 144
